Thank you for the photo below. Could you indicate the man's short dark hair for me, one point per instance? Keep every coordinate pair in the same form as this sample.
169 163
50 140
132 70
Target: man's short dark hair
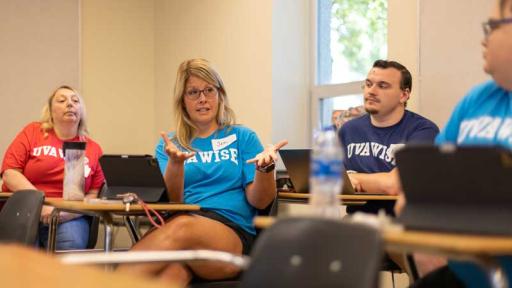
406 79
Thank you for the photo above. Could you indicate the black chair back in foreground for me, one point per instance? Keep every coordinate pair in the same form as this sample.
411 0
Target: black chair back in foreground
19 218
293 252
314 252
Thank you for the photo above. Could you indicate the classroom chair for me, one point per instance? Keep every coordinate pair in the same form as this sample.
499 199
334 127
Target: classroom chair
294 252
314 252
19 218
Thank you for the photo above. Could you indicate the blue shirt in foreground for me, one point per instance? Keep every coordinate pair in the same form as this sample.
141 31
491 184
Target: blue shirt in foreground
216 177
482 118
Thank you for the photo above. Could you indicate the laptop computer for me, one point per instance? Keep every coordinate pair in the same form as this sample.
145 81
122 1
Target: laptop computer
139 174
297 162
463 189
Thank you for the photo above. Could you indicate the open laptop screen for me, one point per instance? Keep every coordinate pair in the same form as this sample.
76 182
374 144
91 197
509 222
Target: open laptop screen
297 163
139 174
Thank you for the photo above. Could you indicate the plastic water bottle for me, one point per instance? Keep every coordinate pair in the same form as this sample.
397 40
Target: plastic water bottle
325 180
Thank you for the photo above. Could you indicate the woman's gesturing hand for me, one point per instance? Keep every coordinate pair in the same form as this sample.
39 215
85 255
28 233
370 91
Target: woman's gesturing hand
269 155
175 155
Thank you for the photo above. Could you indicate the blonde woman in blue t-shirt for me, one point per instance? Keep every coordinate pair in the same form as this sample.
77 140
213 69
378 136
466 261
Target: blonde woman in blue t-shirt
212 162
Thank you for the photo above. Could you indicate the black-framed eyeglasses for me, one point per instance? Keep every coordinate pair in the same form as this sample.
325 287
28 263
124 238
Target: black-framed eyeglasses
493 24
208 92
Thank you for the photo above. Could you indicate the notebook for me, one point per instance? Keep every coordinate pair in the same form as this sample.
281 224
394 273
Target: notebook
297 162
464 189
139 174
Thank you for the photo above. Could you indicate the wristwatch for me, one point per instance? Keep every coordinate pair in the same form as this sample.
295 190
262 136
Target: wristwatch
267 169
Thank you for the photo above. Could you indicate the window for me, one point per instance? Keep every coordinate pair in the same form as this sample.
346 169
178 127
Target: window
349 36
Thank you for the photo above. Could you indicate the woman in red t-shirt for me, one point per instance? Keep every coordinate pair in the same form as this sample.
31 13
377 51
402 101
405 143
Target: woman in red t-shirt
34 160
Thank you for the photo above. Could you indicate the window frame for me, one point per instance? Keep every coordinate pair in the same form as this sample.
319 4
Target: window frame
323 92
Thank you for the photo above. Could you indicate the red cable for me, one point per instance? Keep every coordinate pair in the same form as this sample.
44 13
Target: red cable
133 198
148 212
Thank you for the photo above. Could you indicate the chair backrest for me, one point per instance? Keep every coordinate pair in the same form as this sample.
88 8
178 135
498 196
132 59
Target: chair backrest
314 252
94 223
19 218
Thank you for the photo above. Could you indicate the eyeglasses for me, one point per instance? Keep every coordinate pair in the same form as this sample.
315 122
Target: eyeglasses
493 24
208 92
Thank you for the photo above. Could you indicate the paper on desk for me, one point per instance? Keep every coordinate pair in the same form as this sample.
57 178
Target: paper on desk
101 201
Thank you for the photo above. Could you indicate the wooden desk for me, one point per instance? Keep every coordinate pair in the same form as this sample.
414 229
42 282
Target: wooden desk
481 249
105 212
433 242
264 221
114 207
5 195
345 199
25 267
448 244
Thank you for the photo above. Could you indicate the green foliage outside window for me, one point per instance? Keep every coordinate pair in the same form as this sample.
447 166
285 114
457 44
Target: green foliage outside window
361 26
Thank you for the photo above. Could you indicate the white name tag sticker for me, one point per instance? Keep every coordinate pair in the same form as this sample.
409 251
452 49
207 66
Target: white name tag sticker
218 144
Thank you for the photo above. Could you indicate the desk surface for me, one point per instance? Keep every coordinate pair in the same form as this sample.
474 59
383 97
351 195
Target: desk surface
24 267
4 195
112 207
343 197
434 242
448 243
288 195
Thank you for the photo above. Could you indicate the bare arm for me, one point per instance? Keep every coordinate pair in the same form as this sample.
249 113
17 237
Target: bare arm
174 181
262 191
93 193
400 204
15 180
66 216
175 171
384 182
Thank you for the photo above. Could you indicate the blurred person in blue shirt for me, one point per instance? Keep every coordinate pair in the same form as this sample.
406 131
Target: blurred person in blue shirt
483 118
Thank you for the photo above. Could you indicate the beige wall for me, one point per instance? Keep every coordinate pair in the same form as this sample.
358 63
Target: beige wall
450 60
236 37
131 49
440 45
39 51
291 72
403 45
118 73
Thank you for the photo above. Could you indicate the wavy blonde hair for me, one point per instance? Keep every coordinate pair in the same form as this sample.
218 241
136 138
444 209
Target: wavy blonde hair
201 68
47 123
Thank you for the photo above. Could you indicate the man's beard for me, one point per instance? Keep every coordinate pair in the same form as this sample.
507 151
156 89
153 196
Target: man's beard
371 111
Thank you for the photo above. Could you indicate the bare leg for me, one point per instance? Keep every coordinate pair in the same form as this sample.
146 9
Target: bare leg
186 232
176 273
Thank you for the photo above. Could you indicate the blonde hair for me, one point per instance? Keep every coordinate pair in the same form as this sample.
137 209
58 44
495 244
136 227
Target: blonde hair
47 123
201 68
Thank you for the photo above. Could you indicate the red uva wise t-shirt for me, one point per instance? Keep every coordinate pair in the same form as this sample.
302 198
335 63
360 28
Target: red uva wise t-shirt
41 160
